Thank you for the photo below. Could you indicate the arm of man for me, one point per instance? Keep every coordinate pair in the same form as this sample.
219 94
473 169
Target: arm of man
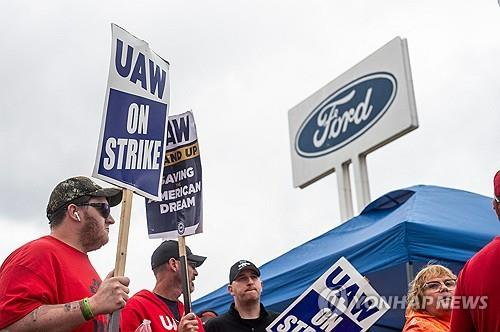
111 296
461 319
57 317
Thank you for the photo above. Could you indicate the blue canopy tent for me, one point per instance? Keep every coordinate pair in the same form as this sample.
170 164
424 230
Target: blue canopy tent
393 236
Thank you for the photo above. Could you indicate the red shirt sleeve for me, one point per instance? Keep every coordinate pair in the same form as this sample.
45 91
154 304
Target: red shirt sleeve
21 292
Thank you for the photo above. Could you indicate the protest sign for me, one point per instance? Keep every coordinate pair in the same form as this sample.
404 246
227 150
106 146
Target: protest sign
132 139
180 211
340 300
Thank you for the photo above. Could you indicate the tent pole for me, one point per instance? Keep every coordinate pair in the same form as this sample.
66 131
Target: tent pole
409 273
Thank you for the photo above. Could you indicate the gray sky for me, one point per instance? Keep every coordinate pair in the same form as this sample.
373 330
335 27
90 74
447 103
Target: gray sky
240 66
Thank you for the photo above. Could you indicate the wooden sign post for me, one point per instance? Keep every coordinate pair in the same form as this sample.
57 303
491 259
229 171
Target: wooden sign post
186 289
121 250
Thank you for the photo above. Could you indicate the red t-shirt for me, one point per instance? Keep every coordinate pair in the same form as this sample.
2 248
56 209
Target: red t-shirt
146 305
43 272
478 279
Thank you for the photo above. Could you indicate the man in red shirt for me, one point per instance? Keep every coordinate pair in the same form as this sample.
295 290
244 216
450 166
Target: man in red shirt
161 306
478 279
49 284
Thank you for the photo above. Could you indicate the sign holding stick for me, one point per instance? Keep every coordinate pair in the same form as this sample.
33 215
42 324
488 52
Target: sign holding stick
186 291
121 250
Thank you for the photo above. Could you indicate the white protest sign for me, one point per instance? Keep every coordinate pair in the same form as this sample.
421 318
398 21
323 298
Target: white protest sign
133 131
340 300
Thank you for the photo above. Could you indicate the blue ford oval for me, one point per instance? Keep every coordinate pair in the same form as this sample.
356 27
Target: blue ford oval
346 114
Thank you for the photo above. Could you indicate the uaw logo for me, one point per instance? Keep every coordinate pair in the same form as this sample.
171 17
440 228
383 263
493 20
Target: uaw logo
242 264
181 227
346 114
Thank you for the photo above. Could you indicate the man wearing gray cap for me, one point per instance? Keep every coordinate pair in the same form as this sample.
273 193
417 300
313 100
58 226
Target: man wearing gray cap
161 306
246 313
49 284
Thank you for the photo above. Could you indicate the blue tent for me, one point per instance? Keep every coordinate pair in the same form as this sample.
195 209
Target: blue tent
393 237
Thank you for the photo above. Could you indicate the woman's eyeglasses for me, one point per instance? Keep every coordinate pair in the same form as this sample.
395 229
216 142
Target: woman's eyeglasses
103 208
436 285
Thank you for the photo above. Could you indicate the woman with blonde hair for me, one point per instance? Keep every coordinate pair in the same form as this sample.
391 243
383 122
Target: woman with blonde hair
430 300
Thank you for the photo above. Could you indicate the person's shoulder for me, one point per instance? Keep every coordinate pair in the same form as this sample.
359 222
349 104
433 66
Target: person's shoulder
416 324
273 314
217 321
140 302
35 251
488 254
143 295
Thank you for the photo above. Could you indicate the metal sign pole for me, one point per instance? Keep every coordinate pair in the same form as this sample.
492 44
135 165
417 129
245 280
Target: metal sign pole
344 190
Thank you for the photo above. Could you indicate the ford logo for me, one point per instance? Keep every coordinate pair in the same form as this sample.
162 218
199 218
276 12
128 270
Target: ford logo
346 114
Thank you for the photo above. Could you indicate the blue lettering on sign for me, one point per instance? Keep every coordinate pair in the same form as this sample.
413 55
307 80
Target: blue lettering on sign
140 72
308 316
346 114
337 280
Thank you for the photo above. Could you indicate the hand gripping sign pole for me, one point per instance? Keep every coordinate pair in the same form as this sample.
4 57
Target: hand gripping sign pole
121 250
186 291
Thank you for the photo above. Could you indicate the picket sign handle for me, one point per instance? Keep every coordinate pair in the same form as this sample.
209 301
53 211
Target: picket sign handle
121 250
186 292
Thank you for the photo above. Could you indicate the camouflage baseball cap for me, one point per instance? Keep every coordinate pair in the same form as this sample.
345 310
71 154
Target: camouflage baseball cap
77 187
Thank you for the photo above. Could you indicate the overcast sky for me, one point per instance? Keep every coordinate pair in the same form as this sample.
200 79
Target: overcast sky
240 66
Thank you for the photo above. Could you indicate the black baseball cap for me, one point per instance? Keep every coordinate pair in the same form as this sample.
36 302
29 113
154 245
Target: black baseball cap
240 266
170 249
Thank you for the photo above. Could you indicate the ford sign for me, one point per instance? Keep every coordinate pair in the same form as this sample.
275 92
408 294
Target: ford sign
346 114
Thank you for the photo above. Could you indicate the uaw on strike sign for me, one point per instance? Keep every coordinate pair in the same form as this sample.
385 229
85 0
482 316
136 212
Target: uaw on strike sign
132 141
180 210
341 300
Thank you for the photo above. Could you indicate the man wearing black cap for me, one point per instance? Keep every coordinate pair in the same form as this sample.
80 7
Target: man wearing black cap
246 313
161 306
49 284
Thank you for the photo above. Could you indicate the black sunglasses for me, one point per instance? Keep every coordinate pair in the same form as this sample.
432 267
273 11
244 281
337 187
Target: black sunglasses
103 208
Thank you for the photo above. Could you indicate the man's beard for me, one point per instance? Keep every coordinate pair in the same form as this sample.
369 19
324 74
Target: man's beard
92 236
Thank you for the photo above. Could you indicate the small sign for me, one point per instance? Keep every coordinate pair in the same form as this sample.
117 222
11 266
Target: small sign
180 211
340 300
132 139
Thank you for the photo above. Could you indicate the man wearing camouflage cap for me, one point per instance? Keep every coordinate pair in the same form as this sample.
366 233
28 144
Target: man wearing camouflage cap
49 284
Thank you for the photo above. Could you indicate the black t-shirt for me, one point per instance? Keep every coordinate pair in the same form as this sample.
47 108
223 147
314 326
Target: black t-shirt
231 321
172 305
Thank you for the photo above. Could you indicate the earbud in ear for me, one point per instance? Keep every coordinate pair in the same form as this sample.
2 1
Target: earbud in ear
77 216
